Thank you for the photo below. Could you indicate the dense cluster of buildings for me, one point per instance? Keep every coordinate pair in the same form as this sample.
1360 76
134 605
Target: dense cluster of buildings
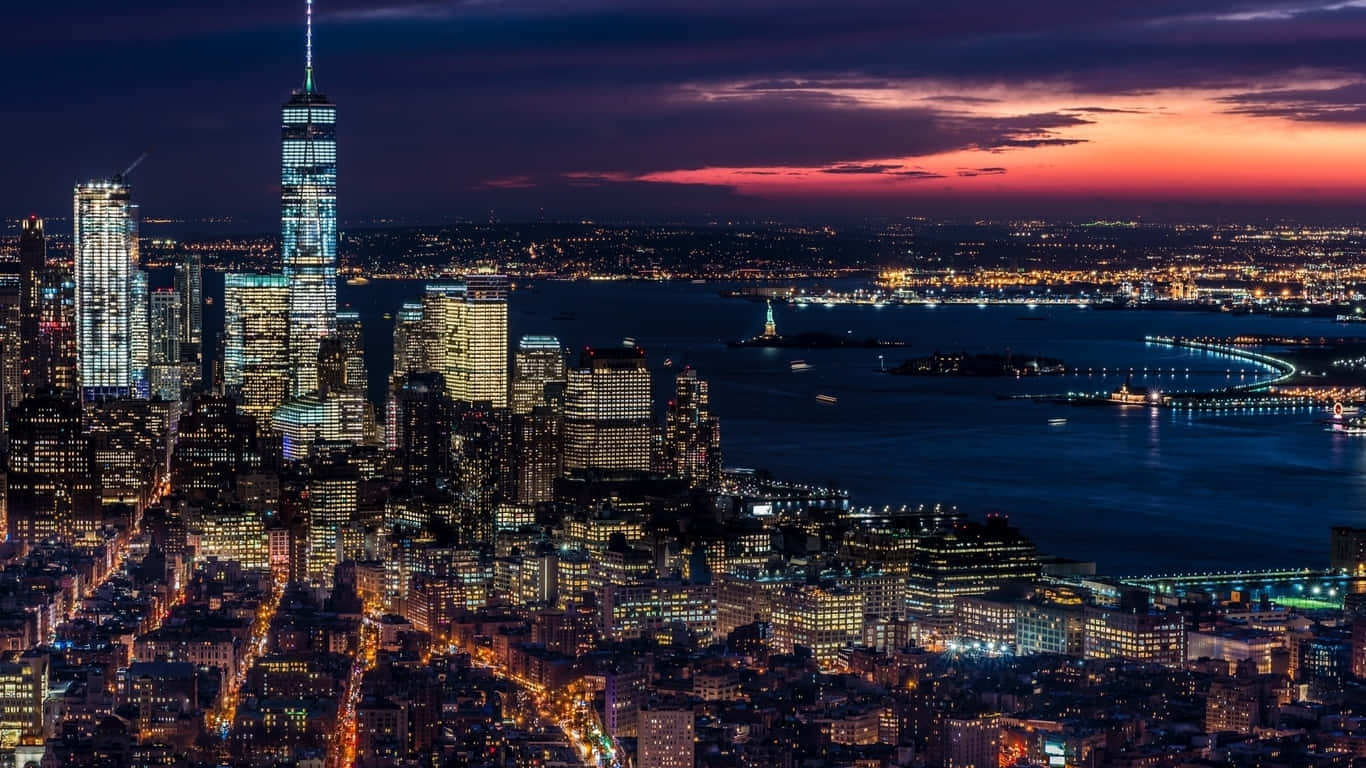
516 561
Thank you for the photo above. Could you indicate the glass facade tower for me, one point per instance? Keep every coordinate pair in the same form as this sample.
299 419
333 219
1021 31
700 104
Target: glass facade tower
105 253
163 350
189 283
255 335
308 223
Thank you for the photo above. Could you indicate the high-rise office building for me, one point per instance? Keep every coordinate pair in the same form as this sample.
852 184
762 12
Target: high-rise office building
423 420
130 446
352 337
464 337
480 448
440 330
308 221
56 367
409 357
11 342
332 493
409 351
319 420
164 345
215 445
967 559
53 487
32 264
692 435
538 363
189 285
481 362
256 342
607 411
538 446
332 365
105 249
139 339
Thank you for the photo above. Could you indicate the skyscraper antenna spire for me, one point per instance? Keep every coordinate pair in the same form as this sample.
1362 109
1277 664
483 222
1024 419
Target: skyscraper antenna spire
308 45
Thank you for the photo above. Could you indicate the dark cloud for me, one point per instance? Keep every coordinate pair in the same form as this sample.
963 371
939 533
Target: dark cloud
1106 111
857 168
992 171
918 175
1005 144
1341 104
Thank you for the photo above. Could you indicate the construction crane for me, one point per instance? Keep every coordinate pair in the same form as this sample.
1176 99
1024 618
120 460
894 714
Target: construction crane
129 169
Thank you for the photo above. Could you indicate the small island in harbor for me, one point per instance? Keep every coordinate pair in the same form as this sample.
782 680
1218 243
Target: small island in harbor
982 364
810 340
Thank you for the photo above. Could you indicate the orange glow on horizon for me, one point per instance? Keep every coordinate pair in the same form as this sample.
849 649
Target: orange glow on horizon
1190 147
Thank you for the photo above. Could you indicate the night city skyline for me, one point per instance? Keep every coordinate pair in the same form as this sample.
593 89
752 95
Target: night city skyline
685 109
751 384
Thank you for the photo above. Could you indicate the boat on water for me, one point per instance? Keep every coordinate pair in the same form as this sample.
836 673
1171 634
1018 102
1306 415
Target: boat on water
668 362
799 366
358 280
826 399
1351 427
1056 422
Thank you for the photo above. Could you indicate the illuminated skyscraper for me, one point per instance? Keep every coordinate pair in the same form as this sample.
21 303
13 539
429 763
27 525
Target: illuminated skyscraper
607 412
129 445
539 361
308 221
692 435
53 489
32 263
353 347
189 284
56 367
409 358
319 421
163 350
538 438
441 311
215 445
11 342
479 445
332 492
465 338
140 341
256 342
481 362
105 248
409 354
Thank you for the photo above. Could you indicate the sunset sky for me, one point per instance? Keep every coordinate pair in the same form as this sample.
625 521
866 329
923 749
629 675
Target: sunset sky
679 109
